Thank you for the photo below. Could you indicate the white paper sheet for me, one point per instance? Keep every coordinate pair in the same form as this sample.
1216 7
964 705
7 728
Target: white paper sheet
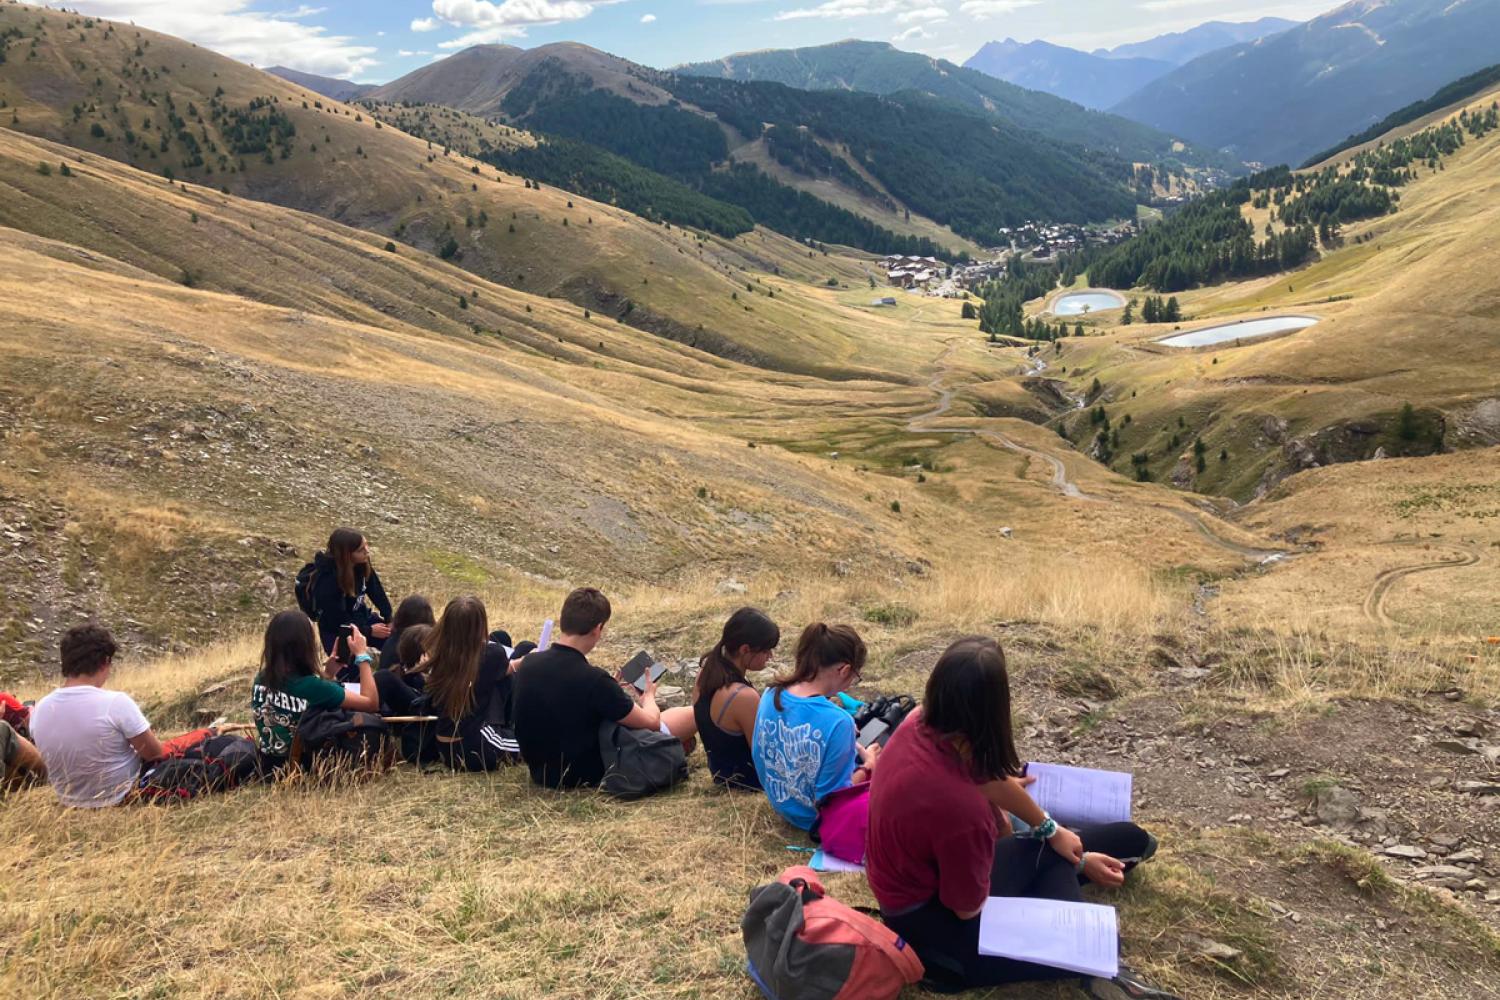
1075 795
1080 937
351 688
546 638
825 862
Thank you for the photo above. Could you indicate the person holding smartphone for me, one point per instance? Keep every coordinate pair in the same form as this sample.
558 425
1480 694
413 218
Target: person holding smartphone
346 590
291 683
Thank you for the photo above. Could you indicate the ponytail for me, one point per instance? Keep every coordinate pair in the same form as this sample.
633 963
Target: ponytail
746 627
819 647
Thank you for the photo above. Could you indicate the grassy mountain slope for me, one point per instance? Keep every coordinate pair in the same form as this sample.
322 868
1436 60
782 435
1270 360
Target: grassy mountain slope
1090 80
878 68
1407 305
1417 113
340 163
1283 98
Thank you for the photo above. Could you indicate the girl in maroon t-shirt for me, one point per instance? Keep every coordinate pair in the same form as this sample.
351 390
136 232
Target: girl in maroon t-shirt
940 841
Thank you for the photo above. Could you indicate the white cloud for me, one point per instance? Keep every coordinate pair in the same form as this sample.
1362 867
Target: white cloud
426 24
989 8
232 28
648 18
493 22
922 15
412 53
915 31
841 10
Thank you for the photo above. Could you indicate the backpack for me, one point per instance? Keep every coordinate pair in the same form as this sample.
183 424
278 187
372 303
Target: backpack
804 945
334 738
843 819
217 764
639 762
303 588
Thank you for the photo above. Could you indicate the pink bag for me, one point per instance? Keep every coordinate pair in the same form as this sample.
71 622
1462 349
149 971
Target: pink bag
843 819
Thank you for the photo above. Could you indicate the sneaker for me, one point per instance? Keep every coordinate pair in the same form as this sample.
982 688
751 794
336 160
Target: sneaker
1127 985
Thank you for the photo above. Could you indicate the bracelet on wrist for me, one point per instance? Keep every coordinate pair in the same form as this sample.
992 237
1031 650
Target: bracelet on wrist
1046 829
363 658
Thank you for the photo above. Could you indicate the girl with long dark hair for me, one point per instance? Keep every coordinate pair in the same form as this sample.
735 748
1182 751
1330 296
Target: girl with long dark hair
344 588
724 703
939 840
468 687
291 682
805 746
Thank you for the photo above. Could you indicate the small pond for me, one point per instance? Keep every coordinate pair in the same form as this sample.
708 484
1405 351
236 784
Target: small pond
1080 303
1245 330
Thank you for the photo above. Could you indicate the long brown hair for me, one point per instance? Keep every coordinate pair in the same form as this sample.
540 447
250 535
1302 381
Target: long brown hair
819 647
968 700
454 647
750 627
291 649
342 545
413 610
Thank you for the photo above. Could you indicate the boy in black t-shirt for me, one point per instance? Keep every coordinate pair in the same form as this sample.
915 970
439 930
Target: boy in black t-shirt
560 699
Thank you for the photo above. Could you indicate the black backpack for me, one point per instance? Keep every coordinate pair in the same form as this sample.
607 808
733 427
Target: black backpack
336 738
217 764
639 762
303 588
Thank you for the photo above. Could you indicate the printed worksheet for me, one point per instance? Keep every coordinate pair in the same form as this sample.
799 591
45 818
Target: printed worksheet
1080 937
1074 795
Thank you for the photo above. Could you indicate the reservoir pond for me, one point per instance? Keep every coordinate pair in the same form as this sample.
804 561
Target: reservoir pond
1080 303
1229 332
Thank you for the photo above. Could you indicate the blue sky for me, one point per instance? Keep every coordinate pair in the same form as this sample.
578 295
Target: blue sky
379 40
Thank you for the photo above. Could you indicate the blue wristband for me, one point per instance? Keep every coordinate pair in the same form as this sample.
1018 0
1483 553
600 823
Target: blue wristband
1045 830
363 658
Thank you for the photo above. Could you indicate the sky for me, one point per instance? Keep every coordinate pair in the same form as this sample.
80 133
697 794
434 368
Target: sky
373 41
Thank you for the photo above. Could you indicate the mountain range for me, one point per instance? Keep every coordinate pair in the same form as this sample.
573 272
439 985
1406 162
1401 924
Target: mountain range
339 90
880 68
965 153
1282 98
1104 77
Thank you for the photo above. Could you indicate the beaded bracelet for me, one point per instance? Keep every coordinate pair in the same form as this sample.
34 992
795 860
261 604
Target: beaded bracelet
1045 830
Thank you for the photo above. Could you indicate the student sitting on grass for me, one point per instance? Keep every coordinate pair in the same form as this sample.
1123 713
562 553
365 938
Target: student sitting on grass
408 659
561 699
805 746
19 758
94 742
413 611
724 703
469 688
344 585
939 839
290 683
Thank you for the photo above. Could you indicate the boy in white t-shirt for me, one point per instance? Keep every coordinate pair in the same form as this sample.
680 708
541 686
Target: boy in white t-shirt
93 741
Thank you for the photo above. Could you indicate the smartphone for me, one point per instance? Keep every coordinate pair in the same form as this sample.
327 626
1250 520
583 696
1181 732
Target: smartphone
875 731
634 671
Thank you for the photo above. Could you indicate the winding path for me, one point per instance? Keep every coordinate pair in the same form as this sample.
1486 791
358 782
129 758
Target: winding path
1374 608
1060 481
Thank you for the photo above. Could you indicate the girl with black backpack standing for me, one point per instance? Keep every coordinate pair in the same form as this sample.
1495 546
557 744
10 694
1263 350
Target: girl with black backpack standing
342 589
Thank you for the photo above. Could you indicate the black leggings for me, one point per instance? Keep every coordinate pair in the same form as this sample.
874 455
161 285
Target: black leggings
949 947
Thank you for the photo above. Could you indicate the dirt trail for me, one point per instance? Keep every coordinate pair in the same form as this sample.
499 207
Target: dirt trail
1374 607
1060 481
922 422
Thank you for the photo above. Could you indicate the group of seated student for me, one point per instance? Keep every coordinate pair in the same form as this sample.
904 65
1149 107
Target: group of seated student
950 820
